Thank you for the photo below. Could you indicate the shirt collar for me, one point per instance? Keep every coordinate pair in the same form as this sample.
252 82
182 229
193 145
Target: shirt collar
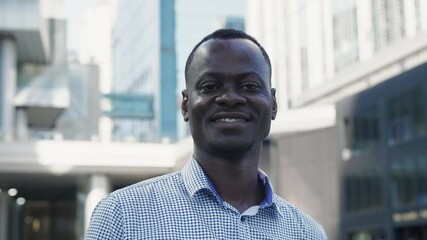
196 180
268 189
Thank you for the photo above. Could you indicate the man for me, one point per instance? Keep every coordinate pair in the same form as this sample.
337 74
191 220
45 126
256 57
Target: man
220 193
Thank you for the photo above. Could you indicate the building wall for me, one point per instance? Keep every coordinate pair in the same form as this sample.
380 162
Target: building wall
298 37
311 44
304 169
362 45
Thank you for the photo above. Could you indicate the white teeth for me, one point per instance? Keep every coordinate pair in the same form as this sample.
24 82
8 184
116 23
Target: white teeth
230 120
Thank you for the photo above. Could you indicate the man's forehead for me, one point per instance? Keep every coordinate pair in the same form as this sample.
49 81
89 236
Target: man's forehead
216 49
218 44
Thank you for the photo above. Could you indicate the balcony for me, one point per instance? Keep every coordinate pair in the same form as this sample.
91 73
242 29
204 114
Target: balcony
21 20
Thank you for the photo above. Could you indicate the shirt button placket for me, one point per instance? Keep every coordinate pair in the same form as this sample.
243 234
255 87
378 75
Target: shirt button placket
244 228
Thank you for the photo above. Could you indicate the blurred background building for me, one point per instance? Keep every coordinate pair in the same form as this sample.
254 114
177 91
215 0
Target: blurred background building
78 124
348 146
362 173
151 41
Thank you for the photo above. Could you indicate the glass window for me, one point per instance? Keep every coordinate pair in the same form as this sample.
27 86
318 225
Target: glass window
406 117
362 131
363 191
409 182
348 194
418 114
404 183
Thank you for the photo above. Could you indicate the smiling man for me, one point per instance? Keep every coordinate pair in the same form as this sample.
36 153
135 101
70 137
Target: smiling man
220 193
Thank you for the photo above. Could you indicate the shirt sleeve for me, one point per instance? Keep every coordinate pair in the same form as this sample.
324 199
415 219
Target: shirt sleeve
313 230
106 221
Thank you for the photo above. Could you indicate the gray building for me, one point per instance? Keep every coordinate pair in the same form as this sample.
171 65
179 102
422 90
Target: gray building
42 99
335 53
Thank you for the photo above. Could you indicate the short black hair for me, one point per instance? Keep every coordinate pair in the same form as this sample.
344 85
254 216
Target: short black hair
226 34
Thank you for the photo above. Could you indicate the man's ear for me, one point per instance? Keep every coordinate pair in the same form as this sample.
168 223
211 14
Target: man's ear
274 107
184 102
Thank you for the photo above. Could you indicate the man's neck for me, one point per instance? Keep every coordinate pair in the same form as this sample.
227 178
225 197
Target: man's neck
235 180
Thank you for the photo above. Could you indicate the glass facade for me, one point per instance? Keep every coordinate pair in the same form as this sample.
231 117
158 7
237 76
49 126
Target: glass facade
384 173
136 56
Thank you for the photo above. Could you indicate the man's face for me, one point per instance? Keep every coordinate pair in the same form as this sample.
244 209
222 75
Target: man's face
229 102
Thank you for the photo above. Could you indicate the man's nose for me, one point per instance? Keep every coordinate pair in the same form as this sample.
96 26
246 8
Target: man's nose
230 97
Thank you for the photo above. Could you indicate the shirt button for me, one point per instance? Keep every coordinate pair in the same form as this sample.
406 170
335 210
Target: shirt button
243 218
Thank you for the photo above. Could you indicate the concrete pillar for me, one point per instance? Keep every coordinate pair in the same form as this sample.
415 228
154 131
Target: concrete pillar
409 16
4 213
15 221
423 9
8 61
314 41
294 49
328 38
21 125
98 186
365 30
105 129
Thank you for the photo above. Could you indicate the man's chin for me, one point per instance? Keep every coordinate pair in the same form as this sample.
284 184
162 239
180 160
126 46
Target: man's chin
230 147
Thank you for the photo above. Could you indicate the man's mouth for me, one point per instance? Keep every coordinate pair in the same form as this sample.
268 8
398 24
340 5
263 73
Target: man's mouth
230 120
231 117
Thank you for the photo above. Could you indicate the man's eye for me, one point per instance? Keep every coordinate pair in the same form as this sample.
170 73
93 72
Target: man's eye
209 87
250 86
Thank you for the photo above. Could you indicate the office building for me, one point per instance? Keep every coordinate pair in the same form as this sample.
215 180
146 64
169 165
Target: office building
55 165
342 56
384 159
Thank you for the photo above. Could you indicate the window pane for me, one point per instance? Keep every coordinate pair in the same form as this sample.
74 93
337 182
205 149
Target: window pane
406 117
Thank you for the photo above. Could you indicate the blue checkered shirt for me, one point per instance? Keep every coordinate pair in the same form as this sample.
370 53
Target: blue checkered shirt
185 205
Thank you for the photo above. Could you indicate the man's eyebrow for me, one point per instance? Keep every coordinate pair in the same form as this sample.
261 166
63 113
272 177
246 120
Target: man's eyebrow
238 76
